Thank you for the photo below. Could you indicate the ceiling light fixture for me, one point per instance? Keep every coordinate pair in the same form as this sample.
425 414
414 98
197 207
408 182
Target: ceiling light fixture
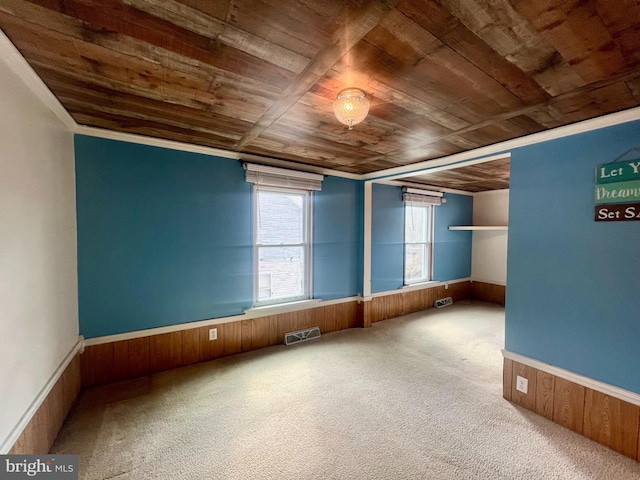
351 107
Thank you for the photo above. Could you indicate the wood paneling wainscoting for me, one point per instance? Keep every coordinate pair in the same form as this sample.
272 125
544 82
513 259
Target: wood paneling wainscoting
601 417
488 292
393 305
43 428
126 359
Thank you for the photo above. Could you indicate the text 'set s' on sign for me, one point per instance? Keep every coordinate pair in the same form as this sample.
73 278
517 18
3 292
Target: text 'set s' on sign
620 212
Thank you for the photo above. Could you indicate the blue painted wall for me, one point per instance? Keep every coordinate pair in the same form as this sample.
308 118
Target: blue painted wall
452 250
573 296
338 233
164 237
387 238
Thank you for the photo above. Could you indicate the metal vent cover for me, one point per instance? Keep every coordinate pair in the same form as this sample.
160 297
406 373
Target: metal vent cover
301 335
443 302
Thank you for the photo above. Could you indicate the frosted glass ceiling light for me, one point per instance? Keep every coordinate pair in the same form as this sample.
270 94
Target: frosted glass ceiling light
351 107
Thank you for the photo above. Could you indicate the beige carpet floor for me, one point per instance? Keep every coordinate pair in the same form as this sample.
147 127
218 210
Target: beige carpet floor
417 397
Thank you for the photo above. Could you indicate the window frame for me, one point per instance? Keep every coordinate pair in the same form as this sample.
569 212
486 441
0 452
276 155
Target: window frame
307 245
430 234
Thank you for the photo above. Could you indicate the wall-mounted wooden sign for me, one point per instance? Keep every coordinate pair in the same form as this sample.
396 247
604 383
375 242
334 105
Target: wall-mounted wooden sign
621 212
618 172
618 192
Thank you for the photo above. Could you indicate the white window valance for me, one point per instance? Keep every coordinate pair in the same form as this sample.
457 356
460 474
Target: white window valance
422 197
282 177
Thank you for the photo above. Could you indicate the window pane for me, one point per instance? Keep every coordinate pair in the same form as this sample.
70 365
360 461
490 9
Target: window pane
415 262
280 218
416 223
284 267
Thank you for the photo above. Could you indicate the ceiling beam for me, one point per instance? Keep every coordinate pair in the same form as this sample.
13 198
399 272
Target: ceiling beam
358 25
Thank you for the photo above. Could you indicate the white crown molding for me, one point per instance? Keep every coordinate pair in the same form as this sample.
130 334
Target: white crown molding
14 59
217 152
607 389
398 183
604 121
437 165
16 62
8 442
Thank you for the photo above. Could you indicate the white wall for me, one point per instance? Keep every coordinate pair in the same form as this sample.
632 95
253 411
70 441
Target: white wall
38 267
489 248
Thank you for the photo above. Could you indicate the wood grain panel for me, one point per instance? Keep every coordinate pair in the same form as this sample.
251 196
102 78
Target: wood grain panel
427 298
160 352
346 314
330 322
210 349
120 360
316 318
459 291
138 355
97 365
131 358
175 349
527 400
231 336
257 333
488 292
545 386
190 341
611 422
43 428
378 309
595 55
507 378
260 77
568 404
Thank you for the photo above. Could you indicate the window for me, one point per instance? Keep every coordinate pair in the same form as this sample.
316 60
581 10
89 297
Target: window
282 247
281 232
418 235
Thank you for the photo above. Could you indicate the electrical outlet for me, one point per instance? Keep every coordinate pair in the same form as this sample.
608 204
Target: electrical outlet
522 384
213 334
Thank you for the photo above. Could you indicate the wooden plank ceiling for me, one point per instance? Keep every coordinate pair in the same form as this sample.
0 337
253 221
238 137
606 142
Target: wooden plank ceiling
260 77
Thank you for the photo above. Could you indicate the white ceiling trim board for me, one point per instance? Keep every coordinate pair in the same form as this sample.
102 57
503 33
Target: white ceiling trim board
604 121
217 152
17 63
21 67
398 183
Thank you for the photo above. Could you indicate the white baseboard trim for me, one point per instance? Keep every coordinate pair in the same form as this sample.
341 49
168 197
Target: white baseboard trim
8 443
617 392
419 286
248 315
502 283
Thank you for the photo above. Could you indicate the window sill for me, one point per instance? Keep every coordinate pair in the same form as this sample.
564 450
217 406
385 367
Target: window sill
282 307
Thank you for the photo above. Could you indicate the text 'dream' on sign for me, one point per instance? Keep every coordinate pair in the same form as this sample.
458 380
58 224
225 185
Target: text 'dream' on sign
622 192
618 172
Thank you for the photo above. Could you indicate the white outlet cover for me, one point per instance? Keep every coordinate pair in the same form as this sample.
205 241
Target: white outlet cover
522 384
213 334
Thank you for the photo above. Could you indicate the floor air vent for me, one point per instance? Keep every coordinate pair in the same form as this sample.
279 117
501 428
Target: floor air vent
301 335
443 302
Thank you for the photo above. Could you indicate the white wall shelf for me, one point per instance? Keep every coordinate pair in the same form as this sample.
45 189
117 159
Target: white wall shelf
478 227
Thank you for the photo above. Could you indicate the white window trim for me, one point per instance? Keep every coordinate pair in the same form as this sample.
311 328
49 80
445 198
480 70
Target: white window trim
308 263
431 234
